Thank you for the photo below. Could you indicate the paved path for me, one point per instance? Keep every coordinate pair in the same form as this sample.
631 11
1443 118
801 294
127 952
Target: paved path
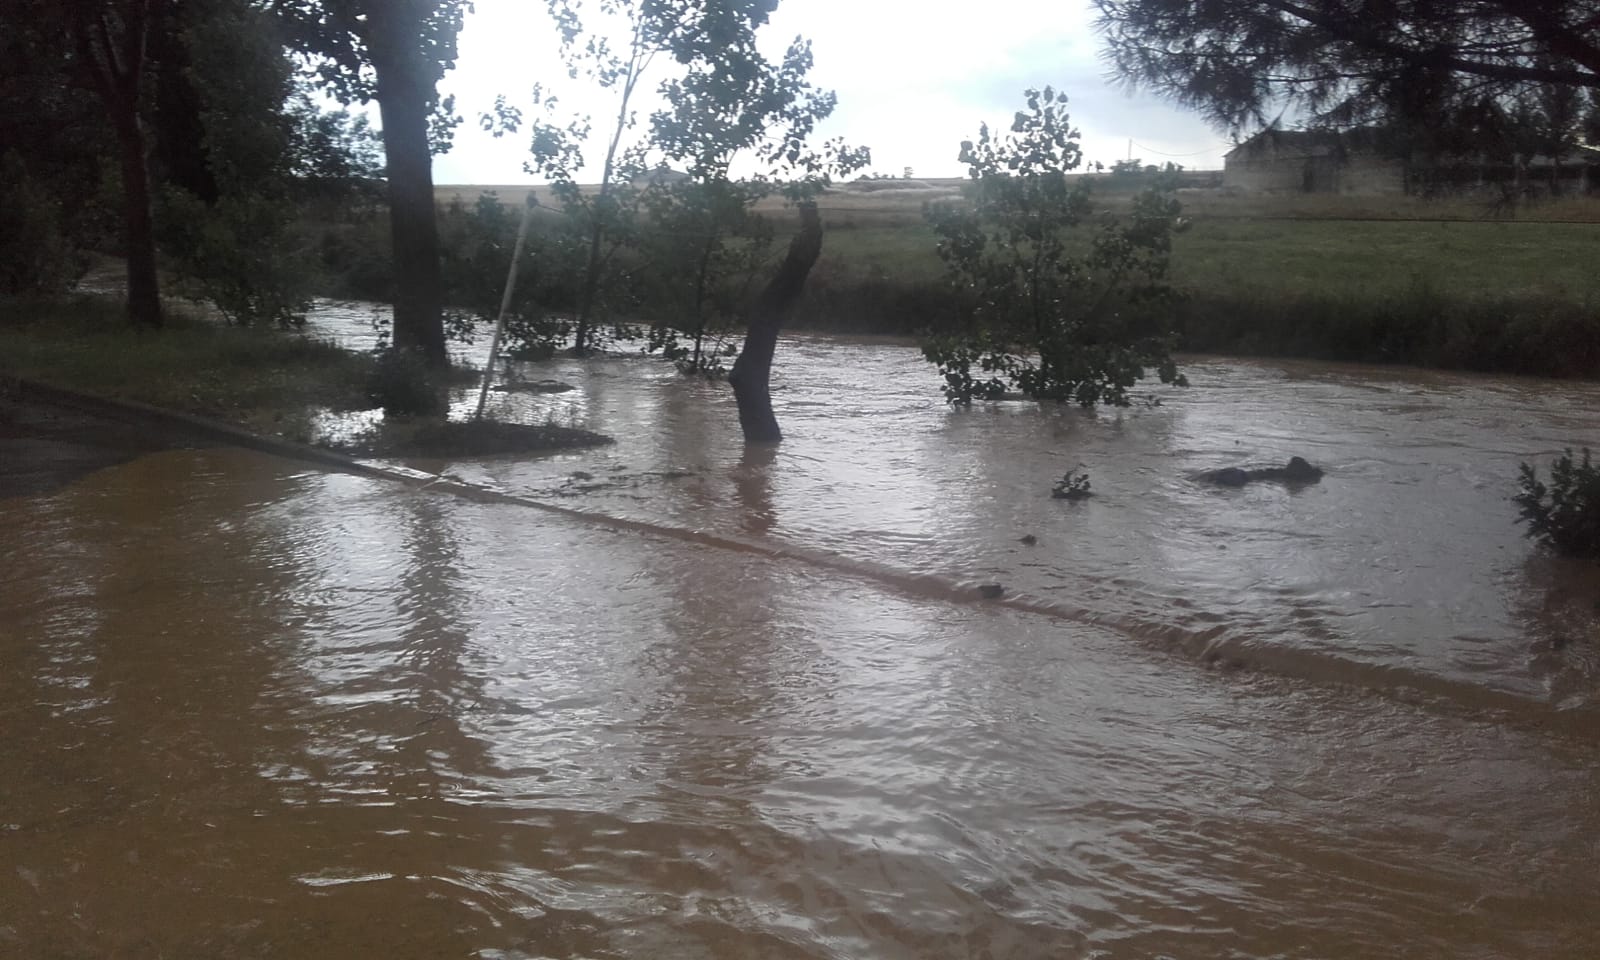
44 447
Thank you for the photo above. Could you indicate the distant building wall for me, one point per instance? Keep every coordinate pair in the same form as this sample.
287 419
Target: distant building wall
1539 176
1312 173
664 176
1367 174
1300 161
1264 174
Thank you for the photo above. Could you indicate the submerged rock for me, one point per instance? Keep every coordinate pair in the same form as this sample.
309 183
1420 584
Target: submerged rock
1297 470
1227 477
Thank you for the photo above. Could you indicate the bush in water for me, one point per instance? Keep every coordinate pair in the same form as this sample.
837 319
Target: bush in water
1071 486
402 384
1055 314
1566 514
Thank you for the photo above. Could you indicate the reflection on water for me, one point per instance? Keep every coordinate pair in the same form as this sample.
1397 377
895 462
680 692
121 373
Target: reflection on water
252 710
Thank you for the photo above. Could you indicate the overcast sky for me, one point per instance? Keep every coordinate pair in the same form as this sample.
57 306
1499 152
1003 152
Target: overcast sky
913 79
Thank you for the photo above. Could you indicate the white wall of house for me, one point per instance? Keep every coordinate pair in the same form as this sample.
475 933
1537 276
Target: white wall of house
1263 172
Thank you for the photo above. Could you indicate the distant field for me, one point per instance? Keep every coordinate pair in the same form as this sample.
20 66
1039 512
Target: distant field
1292 243
1463 284
1284 257
899 202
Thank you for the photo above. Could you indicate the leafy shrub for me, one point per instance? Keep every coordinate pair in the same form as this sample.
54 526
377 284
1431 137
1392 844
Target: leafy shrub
476 243
1566 514
354 260
1071 486
1060 297
36 253
237 253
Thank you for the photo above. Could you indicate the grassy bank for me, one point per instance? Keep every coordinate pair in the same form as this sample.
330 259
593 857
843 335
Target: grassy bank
1517 296
1296 258
1529 334
269 381
263 379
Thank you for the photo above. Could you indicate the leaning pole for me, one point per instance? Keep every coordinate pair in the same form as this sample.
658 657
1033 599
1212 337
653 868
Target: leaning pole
505 306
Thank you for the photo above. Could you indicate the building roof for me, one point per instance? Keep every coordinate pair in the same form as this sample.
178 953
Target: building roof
1300 144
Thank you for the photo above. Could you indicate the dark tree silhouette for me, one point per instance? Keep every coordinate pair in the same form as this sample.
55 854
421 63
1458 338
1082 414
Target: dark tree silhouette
1344 62
752 371
110 40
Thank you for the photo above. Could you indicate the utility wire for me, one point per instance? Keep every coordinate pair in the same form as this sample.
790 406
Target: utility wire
1176 155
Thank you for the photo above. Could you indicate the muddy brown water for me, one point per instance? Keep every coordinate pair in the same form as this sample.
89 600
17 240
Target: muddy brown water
251 708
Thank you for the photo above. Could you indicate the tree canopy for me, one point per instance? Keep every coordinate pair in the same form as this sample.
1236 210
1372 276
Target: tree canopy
1450 63
394 52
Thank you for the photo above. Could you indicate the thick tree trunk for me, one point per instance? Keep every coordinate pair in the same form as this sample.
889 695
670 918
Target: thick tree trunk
752 371
403 102
591 282
110 43
144 292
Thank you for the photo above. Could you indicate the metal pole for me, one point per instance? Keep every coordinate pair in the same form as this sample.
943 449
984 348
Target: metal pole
505 304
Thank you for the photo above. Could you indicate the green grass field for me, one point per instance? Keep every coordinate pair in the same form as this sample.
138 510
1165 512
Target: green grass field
260 377
1465 282
1283 257
1255 245
1464 258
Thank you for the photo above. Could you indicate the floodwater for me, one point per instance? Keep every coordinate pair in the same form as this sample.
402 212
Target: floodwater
251 708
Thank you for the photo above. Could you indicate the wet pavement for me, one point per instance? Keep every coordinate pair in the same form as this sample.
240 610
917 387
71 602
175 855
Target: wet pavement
44 446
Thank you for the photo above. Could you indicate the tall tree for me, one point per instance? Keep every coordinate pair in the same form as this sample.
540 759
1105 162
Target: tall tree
619 72
725 100
768 111
109 41
53 136
1430 63
227 159
394 52
697 38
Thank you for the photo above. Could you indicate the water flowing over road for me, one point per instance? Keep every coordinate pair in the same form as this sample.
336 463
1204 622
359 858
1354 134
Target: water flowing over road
251 708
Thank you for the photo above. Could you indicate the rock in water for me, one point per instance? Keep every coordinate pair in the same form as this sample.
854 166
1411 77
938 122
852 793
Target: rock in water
1297 470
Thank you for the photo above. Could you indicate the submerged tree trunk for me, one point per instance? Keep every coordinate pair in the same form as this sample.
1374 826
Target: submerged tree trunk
144 292
403 102
752 371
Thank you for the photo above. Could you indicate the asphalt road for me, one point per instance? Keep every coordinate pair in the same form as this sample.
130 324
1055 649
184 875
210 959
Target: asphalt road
44 447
